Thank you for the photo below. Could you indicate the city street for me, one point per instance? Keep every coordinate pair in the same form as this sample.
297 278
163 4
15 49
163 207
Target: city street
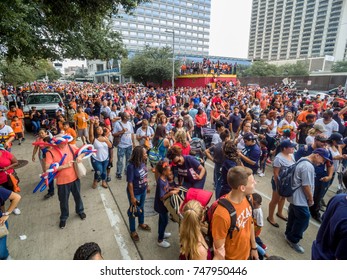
35 235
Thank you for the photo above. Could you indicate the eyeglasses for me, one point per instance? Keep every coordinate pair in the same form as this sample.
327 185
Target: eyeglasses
176 160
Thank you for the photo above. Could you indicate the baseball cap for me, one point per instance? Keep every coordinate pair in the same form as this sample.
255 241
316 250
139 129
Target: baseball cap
321 138
287 144
336 137
319 127
323 153
249 136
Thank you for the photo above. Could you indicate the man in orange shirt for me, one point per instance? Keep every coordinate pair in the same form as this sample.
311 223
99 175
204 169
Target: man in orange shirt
302 117
67 179
81 119
242 246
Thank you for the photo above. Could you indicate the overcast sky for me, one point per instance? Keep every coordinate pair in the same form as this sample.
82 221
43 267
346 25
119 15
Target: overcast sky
229 29
230 25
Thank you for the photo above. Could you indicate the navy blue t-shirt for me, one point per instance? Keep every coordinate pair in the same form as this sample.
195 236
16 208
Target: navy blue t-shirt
227 164
305 151
183 170
163 187
331 241
137 176
253 153
235 120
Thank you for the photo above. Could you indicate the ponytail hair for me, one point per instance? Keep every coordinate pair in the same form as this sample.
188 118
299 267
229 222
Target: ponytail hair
190 229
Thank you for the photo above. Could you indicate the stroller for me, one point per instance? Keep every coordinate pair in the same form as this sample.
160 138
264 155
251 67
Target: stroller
342 179
207 135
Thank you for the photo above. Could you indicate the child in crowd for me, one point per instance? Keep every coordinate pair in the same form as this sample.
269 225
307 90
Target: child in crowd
264 154
258 224
18 129
163 191
171 180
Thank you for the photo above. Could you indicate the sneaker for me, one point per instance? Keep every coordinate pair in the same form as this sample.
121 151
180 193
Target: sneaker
16 211
19 143
83 216
62 224
48 195
296 246
259 171
164 244
119 177
261 174
317 219
167 234
108 179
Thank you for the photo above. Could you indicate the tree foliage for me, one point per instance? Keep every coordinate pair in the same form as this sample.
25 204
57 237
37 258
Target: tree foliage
339 66
265 69
150 65
35 29
17 72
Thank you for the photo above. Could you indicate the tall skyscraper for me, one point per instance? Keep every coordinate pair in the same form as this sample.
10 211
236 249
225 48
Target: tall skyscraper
152 22
283 30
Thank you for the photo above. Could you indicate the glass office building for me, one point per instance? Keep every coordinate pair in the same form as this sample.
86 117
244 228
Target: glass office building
298 29
189 20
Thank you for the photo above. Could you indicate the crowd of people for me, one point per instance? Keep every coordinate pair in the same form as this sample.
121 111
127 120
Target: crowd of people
242 130
208 67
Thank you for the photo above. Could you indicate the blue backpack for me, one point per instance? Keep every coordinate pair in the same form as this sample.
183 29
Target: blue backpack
286 179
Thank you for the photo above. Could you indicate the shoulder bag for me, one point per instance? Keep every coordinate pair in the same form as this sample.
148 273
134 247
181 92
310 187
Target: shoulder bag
116 139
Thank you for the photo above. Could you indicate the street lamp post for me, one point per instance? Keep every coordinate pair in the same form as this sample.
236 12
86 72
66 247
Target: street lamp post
173 58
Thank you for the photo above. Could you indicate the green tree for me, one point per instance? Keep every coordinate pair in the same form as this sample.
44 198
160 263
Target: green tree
339 66
34 29
150 65
17 72
298 69
261 68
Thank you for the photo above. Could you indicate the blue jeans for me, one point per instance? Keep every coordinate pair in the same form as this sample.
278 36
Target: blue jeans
36 125
217 178
3 246
121 152
63 195
100 169
140 197
298 220
162 223
319 192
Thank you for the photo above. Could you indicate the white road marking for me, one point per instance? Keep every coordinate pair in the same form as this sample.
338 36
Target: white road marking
115 222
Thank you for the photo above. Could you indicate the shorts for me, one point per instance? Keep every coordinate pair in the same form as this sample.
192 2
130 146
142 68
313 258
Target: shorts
19 135
82 132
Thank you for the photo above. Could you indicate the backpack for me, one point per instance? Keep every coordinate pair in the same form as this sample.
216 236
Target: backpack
286 179
197 148
224 202
153 154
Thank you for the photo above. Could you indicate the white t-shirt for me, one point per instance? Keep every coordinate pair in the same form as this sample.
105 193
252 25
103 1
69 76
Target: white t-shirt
149 131
102 150
126 139
273 132
330 127
258 215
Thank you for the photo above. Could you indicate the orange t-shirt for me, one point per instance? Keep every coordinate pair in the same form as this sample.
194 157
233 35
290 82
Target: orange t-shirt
66 175
239 247
302 116
18 113
17 126
81 119
71 132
